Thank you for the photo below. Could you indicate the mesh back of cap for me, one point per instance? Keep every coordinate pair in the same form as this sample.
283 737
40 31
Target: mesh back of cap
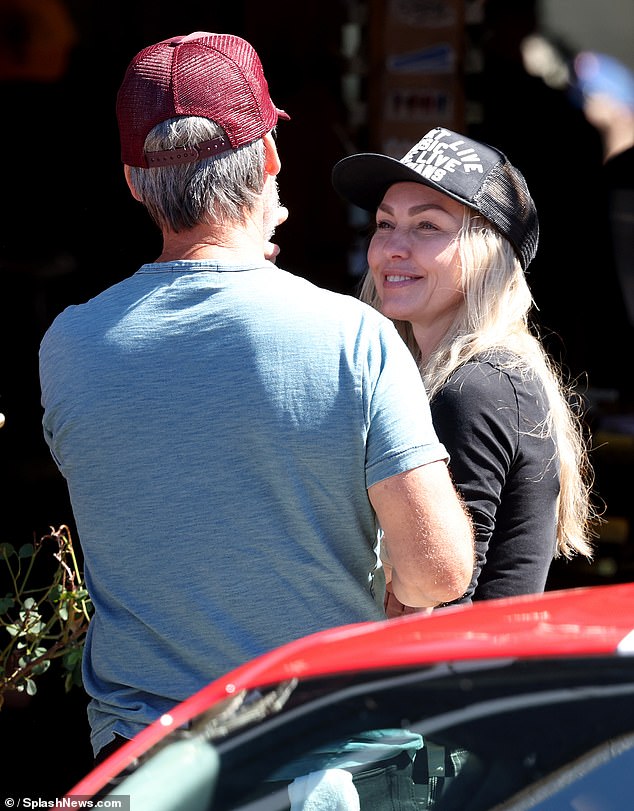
216 76
504 199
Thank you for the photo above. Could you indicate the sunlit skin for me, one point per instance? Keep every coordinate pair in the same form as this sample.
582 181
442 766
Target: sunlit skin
414 259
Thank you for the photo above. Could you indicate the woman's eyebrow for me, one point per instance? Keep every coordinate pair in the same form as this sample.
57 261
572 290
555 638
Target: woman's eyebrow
413 209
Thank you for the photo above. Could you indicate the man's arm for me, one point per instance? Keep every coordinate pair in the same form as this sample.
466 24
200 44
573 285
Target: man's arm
428 535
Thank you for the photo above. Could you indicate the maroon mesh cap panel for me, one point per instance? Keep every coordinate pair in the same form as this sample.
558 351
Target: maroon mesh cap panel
216 76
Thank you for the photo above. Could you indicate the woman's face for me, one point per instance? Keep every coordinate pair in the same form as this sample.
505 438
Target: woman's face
413 257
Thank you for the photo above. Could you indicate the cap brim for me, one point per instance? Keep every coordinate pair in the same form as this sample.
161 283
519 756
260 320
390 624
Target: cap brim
363 179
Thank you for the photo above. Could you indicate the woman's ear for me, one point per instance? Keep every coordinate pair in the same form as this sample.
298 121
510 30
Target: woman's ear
272 163
128 180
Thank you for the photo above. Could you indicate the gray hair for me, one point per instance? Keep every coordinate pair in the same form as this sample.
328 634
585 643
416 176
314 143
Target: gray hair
217 190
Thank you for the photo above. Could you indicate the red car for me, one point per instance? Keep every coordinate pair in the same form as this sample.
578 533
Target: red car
515 704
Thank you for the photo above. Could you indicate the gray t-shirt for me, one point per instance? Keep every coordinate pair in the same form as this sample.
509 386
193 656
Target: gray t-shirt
218 427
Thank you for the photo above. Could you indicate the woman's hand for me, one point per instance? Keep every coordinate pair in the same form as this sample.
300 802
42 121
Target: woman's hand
392 606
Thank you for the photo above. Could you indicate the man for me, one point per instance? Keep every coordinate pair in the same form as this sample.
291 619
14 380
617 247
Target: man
231 435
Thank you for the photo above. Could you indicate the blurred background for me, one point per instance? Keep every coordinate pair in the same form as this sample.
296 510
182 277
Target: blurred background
550 83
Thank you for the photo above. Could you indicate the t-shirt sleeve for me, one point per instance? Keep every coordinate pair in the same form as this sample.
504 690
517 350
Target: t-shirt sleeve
401 435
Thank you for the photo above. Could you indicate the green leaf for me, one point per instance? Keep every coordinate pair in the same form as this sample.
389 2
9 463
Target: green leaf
73 679
42 667
71 659
6 603
26 551
55 592
54 613
35 628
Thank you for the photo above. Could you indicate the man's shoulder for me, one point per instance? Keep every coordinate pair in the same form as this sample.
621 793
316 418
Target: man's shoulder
336 304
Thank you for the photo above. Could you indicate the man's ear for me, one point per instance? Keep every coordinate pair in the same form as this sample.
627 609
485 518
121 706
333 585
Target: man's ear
128 180
272 164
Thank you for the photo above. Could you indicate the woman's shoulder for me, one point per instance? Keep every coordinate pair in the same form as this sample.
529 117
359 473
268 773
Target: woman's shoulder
493 368
496 377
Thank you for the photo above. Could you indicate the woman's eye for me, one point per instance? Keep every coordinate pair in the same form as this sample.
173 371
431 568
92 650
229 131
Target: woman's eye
423 225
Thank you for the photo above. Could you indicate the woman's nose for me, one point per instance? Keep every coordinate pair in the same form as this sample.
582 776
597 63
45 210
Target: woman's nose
397 244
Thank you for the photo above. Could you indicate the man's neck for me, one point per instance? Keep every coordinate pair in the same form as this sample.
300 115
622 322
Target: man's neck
239 245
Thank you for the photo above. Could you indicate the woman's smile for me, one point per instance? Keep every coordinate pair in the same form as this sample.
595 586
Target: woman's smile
396 278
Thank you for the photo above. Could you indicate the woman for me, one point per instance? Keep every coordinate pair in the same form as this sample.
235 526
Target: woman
456 229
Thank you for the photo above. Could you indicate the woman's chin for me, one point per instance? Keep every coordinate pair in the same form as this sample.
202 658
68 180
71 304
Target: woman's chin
397 313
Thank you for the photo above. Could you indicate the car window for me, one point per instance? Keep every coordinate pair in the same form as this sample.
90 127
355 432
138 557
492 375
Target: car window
463 738
598 781
514 735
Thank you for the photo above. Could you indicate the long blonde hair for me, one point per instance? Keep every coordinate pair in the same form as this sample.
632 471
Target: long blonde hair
495 316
